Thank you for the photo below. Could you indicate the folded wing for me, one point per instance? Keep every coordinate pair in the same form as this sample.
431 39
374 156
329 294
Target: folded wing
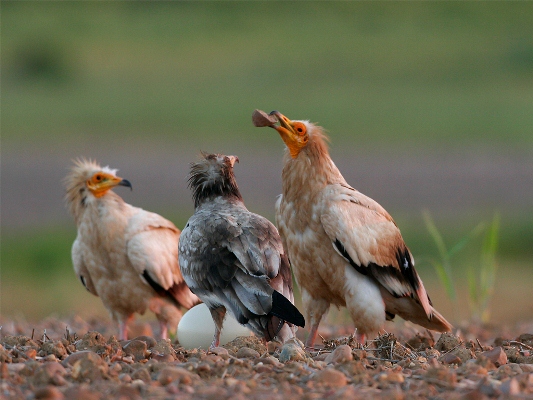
152 249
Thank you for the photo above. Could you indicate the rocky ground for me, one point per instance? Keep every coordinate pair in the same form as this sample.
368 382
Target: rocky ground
78 359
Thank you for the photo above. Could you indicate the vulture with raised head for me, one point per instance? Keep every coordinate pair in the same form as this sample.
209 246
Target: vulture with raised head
344 248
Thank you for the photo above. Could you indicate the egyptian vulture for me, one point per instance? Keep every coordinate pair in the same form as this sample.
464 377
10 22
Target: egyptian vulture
125 255
344 248
234 259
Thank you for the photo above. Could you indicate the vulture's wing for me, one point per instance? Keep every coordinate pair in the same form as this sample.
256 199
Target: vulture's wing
364 234
152 248
235 257
80 267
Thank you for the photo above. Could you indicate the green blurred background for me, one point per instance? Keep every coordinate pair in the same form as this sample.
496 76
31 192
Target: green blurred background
429 106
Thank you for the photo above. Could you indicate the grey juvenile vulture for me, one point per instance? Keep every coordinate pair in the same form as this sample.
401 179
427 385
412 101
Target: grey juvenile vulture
233 259
124 254
345 249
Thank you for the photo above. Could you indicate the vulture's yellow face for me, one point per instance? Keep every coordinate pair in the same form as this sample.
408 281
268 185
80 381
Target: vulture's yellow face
293 133
101 182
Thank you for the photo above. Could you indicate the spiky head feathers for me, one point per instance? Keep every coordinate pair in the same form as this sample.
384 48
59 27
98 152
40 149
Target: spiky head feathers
212 177
88 178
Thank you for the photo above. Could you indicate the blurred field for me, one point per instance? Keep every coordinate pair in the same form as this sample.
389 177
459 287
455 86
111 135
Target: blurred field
428 105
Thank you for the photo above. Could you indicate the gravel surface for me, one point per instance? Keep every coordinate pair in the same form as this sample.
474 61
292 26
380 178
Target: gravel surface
78 359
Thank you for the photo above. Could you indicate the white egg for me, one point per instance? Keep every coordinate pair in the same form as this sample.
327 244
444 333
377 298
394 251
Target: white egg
196 328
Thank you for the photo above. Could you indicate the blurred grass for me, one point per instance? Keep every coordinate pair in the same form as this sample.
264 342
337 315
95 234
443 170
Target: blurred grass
397 72
37 264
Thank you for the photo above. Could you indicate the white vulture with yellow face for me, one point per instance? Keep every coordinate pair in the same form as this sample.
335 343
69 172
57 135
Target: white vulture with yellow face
125 255
344 248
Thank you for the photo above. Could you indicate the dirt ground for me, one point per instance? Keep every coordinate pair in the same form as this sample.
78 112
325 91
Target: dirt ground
81 359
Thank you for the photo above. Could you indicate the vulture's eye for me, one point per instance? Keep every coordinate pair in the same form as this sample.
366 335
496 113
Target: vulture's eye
300 128
98 178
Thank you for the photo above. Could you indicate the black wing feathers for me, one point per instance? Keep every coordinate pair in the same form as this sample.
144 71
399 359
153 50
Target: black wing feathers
404 278
160 290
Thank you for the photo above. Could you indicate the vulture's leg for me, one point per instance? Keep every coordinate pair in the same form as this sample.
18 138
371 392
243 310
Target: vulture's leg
360 337
163 329
315 309
123 327
218 318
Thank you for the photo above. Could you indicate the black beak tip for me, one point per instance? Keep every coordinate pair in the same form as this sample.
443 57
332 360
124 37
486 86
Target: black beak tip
125 182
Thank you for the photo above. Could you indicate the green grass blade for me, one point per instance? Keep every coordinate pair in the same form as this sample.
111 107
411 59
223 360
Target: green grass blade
488 267
446 280
463 242
435 234
473 292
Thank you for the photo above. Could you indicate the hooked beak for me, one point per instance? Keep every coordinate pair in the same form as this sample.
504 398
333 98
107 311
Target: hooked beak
285 124
233 160
125 182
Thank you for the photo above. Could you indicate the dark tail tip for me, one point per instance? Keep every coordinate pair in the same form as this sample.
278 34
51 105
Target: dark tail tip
284 309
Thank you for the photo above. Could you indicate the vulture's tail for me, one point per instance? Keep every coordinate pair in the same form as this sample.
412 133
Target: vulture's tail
285 311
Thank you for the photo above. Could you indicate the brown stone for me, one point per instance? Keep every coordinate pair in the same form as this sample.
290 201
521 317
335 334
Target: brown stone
137 349
496 355
246 352
220 351
143 374
261 119
90 340
450 358
447 342
5 356
74 357
150 341
510 387
54 347
162 346
89 368
173 374
330 377
48 393
341 354
49 373
464 354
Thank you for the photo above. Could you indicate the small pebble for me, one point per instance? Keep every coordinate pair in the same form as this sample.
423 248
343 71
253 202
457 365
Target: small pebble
48 393
246 352
173 374
496 355
450 358
150 341
330 377
510 387
292 351
143 374
341 354
86 354
447 342
261 119
137 349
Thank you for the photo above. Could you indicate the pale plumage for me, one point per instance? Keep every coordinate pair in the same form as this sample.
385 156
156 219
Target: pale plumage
234 259
125 255
344 248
